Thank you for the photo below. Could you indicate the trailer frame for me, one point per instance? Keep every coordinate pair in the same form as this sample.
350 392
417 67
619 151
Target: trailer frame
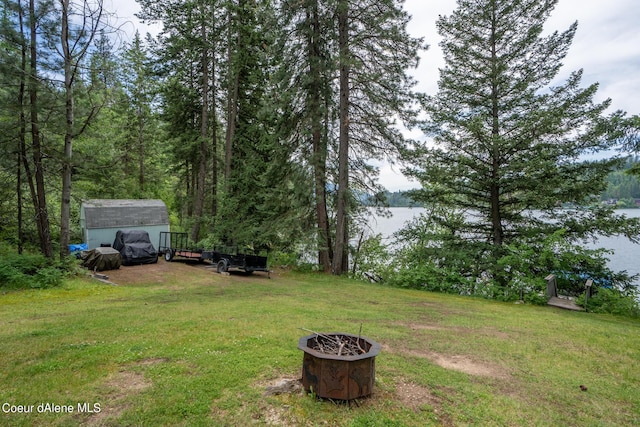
231 257
225 258
176 244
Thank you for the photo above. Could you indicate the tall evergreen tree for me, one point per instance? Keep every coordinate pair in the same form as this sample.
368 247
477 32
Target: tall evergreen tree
13 50
187 52
306 73
119 155
141 88
30 26
350 87
340 253
261 202
38 193
508 145
76 38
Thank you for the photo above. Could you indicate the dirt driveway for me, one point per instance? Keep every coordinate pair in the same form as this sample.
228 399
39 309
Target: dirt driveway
174 272
161 272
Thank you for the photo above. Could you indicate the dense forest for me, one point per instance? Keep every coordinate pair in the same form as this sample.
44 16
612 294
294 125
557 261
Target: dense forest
260 122
254 121
623 186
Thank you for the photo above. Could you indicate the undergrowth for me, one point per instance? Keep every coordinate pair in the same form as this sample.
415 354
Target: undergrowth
24 271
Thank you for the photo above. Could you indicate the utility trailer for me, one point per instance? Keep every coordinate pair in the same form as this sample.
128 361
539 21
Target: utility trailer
175 245
231 257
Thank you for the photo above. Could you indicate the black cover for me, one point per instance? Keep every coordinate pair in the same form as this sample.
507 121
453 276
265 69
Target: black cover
100 259
135 247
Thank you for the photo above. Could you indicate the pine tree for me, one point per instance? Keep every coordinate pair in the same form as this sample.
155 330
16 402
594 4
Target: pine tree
509 143
350 87
32 71
306 73
141 89
75 41
186 52
376 92
262 198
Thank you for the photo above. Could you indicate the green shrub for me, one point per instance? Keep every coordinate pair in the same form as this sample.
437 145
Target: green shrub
32 271
11 277
612 301
429 277
283 259
372 260
48 278
291 260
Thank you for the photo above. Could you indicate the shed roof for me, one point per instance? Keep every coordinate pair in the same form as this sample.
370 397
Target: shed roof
106 213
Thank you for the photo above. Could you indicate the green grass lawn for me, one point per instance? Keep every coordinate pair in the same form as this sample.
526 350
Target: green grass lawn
198 348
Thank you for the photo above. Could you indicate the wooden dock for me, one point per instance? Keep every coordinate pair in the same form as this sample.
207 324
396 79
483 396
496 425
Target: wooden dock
565 303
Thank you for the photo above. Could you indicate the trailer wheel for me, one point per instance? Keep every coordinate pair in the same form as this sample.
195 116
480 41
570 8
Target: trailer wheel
168 255
222 266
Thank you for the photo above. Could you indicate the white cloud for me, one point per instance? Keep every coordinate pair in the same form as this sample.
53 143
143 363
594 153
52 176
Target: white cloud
124 12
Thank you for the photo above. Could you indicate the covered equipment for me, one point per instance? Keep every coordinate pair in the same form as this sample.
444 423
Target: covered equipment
135 247
101 259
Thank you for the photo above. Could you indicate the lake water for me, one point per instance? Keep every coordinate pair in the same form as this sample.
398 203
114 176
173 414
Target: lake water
624 257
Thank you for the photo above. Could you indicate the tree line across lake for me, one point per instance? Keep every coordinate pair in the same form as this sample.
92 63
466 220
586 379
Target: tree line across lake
623 190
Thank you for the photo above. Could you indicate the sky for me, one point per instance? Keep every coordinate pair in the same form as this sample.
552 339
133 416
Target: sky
606 47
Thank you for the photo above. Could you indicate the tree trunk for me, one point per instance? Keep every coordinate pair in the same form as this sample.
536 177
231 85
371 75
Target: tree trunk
19 193
214 147
65 207
319 142
73 51
23 128
496 214
322 217
340 254
204 127
40 201
232 98
141 152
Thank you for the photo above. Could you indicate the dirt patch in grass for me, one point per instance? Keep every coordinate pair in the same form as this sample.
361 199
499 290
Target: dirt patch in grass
125 383
419 398
456 362
160 272
407 394
118 390
464 364
275 416
286 385
198 273
415 397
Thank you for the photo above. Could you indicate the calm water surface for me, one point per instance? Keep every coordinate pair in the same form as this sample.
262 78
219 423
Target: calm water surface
624 257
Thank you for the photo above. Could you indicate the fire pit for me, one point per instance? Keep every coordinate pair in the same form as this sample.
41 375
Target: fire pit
338 365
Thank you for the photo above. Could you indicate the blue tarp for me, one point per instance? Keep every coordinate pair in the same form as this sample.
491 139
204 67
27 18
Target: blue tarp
78 247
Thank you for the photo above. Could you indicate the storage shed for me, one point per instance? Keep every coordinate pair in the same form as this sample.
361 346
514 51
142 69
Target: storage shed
101 219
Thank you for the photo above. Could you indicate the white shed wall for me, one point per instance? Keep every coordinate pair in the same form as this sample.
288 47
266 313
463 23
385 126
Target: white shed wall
97 236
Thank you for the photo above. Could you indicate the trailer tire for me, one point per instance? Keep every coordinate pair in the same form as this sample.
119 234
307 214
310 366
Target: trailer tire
169 254
222 266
